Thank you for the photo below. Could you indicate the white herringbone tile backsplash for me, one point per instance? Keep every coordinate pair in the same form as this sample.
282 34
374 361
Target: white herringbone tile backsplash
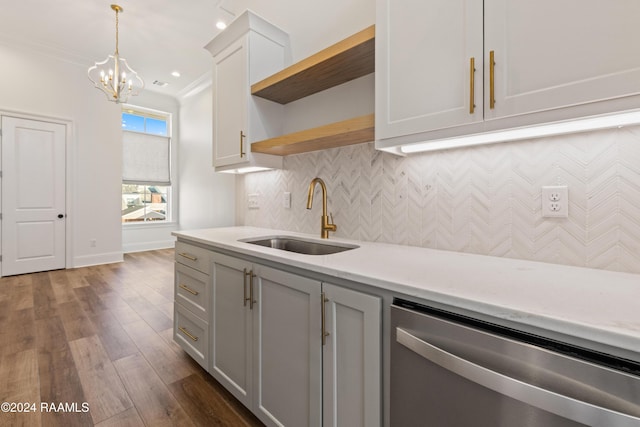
483 200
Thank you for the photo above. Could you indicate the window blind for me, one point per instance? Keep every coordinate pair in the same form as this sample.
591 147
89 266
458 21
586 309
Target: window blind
145 159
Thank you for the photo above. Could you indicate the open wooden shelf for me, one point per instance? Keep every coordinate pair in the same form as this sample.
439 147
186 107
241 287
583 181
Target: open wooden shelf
346 60
347 132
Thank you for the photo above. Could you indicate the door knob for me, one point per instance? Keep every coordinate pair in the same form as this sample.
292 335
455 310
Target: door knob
60 216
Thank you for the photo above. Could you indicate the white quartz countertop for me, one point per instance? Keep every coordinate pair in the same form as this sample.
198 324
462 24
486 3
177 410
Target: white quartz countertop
594 305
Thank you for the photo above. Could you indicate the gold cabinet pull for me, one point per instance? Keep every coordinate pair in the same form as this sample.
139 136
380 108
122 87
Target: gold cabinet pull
323 317
242 136
251 300
472 76
188 289
184 331
492 77
188 256
244 286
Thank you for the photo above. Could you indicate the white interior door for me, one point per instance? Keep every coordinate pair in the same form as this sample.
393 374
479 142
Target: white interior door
33 196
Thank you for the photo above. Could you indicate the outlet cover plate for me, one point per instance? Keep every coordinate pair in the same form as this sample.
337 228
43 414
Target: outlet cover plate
555 201
253 201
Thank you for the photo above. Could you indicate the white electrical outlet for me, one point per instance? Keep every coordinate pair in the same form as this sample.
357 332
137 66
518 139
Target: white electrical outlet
253 201
286 200
555 201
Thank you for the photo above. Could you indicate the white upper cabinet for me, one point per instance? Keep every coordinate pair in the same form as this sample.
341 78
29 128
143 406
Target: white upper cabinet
553 60
554 54
247 51
230 105
423 54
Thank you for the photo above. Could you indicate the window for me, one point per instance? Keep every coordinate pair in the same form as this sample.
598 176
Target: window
146 167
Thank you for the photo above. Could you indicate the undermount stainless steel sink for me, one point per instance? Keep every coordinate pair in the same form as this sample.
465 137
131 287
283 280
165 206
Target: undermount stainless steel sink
294 244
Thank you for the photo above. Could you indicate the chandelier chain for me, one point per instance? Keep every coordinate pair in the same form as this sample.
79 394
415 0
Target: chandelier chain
116 31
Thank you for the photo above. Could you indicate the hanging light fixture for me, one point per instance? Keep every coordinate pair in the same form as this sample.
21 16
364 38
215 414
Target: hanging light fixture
113 76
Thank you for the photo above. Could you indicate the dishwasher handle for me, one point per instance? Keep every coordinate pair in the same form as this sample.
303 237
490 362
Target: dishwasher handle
564 406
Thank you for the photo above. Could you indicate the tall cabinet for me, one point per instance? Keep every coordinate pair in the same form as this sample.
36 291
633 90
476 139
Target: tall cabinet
247 51
454 67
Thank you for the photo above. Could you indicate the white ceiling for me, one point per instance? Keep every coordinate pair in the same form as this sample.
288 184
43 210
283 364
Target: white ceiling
156 36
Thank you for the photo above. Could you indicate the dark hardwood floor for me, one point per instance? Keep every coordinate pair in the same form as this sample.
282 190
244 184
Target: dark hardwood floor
100 338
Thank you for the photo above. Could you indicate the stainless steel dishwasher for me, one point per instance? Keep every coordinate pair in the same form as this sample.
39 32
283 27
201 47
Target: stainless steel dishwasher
448 370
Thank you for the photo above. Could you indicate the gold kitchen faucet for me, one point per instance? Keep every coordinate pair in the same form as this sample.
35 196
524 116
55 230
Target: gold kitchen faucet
325 226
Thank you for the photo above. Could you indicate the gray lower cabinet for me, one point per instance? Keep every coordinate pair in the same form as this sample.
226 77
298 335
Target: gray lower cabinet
192 284
265 341
351 363
267 331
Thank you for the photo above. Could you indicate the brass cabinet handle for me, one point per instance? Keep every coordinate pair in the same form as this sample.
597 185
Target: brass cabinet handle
244 286
242 136
492 91
188 256
184 331
323 317
472 76
251 300
188 289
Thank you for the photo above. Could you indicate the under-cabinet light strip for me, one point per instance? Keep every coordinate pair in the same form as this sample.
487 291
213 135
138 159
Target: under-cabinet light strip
559 128
247 169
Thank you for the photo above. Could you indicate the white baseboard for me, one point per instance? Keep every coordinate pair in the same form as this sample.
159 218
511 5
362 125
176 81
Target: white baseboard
148 246
88 260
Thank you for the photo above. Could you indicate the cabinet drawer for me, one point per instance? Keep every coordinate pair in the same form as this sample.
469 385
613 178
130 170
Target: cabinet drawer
192 334
192 290
192 256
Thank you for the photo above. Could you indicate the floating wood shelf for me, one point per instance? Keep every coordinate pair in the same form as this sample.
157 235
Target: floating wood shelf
347 132
346 60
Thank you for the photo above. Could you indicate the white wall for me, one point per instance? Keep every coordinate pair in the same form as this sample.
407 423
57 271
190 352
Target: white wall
207 199
312 25
37 84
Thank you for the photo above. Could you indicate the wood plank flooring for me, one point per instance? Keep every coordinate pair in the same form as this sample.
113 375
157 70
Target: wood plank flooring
100 338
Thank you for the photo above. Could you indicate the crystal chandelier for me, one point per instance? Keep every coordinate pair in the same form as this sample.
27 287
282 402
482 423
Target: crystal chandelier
113 76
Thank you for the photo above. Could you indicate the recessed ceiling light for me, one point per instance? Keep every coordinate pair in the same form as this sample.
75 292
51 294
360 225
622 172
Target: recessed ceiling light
175 74
221 25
